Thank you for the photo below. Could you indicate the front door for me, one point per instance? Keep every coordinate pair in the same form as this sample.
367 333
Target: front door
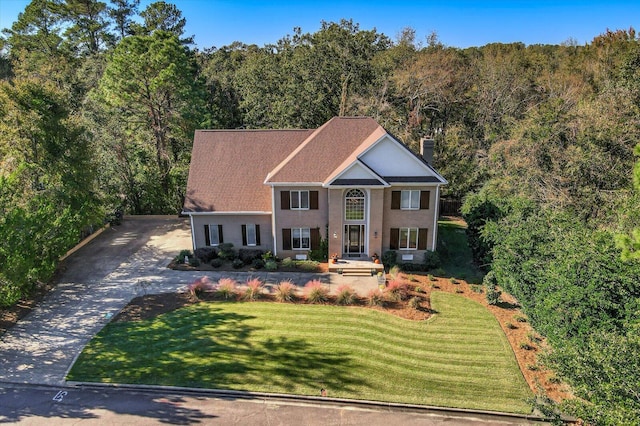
354 240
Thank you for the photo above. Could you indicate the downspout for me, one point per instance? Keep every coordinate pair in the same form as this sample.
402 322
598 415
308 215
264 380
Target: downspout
273 221
193 233
435 219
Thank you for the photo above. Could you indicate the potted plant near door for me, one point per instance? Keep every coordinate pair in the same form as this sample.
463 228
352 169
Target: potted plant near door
375 257
334 258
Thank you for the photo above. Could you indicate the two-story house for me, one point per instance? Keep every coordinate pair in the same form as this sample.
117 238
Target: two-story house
348 181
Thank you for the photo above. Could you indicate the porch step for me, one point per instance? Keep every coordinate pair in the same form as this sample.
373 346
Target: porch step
357 272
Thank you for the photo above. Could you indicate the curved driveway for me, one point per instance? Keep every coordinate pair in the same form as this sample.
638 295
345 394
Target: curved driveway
97 281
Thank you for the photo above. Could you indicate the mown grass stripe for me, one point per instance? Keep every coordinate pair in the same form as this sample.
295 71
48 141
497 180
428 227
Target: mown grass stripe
354 352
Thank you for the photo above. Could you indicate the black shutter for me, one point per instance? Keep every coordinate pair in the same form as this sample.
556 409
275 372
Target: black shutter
424 200
422 239
257 235
220 239
315 238
313 200
244 235
394 238
286 239
395 200
207 237
285 203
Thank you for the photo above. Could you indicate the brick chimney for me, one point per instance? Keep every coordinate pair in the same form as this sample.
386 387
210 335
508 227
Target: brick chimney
426 150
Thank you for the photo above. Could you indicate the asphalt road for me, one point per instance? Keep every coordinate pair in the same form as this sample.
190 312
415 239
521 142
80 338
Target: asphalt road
41 405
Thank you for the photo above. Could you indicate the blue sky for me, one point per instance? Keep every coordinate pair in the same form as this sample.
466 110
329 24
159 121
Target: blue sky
458 23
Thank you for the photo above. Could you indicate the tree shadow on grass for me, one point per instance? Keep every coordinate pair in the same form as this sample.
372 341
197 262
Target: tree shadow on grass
212 349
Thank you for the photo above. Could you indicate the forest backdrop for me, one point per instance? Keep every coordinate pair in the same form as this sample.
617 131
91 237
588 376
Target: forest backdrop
99 102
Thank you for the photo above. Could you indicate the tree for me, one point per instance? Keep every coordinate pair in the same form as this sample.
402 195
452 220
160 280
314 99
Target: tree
151 84
162 16
88 32
47 191
121 14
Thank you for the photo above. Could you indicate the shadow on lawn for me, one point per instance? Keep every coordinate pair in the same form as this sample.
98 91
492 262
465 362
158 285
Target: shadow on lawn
205 347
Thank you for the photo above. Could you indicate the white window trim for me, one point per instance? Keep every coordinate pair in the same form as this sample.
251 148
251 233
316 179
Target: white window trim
293 247
364 205
299 198
409 230
249 226
213 227
411 196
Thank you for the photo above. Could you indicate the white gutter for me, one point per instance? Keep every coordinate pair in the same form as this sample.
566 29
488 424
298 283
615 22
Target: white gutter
193 234
435 219
273 221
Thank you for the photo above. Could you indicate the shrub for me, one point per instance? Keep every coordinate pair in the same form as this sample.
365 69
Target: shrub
181 256
249 255
555 380
492 293
287 262
431 278
520 318
266 256
525 346
217 262
375 298
194 261
476 288
418 289
412 267
316 292
395 272
346 295
413 279
205 254
431 260
226 251
254 289
454 281
199 286
396 290
257 264
532 367
285 291
510 326
270 265
227 288
389 258
307 265
414 303
237 263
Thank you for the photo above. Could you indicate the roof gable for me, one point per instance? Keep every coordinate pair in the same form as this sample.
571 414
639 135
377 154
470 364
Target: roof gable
357 174
391 158
335 143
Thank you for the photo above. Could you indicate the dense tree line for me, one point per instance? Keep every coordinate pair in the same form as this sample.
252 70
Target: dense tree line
99 101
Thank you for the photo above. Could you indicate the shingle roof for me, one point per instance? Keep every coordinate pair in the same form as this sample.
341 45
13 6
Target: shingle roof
336 143
228 168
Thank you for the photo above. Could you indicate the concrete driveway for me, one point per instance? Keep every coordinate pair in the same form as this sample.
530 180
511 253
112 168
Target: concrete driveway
97 281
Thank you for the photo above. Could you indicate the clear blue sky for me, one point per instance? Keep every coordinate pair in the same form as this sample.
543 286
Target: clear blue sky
458 23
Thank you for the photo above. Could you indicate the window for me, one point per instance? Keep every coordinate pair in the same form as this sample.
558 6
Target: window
410 200
354 205
299 200
250 235
213 235
408 239
300 238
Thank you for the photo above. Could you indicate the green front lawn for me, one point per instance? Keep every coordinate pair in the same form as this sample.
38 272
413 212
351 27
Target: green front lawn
459 358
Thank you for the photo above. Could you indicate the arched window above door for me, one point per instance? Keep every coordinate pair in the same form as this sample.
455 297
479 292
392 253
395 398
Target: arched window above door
354 200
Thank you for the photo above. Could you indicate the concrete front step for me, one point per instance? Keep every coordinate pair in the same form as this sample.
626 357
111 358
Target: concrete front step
358 272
